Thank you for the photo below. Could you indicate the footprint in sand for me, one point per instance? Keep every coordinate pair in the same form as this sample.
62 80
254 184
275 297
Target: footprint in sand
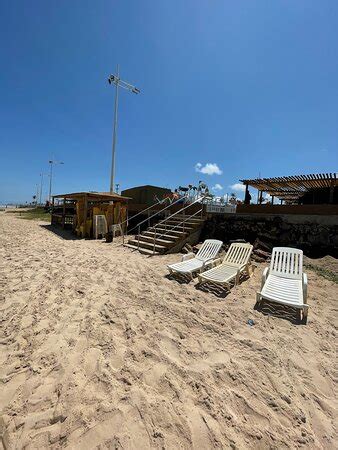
209 360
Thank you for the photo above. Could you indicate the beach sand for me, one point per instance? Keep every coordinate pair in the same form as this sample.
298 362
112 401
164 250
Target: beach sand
99 349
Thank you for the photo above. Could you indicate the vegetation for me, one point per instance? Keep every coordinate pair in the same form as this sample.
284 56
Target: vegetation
33 214
325 273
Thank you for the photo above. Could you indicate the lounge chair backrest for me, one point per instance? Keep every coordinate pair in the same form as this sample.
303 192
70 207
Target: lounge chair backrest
287 262
100 225
238 254
209 249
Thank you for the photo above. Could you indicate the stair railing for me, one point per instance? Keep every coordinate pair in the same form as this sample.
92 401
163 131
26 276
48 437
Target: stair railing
138 226
154 242
141 212
179 224
171 229
164 221
199 200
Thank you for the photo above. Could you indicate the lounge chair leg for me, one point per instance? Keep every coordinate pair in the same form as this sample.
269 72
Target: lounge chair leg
258 297
305 311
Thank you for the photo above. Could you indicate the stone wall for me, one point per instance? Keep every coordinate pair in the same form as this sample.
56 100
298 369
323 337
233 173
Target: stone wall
315 235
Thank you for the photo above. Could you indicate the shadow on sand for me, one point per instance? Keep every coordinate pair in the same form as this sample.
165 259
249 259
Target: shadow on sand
289 313
61 232
179 277
217 289
211 288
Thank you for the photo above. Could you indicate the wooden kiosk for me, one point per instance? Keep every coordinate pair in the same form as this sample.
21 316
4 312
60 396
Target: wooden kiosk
77 210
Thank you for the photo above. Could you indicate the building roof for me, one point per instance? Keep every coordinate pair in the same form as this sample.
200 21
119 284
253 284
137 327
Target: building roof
146 186
291 188
91 195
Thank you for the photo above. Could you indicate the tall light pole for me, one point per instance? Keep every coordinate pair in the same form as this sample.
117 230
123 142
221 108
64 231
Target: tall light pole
41 184
51 162
115 79
37 195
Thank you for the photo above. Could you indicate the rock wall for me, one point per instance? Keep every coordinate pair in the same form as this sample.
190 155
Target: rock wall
315 235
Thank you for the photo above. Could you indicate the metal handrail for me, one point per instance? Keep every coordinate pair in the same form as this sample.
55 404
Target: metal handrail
135 215
177 225
144 210
158 212
179 211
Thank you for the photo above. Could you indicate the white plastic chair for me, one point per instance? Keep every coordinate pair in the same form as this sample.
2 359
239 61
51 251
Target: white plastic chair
284 281
235 262
116 228
192 263
100 225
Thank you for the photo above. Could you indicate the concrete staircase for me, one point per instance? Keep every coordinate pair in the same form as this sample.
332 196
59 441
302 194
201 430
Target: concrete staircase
169 236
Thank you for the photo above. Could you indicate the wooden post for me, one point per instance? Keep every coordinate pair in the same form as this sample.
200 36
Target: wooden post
258 196
331 192
246 202
85 210
272 199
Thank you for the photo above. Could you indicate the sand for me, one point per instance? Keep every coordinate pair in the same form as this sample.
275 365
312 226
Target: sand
100 349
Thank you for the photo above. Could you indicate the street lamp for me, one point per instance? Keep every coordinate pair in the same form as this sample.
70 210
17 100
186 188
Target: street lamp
41 185
51 162
115 79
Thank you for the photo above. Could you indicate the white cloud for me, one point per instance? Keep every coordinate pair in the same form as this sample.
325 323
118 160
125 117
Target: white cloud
217 187
267 197
238 187
208 169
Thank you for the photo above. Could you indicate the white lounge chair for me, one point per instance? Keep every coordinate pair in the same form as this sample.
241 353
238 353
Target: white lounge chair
100 226
192 263
235 262
284 281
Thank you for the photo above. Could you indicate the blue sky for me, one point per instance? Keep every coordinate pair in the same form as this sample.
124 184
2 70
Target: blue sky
248 87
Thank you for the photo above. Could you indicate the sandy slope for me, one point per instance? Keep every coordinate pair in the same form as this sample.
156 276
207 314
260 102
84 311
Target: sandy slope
99 349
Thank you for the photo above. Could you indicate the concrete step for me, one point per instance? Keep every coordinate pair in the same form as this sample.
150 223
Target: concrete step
169 234
162 241
144 251
188 223
192 219
148 245
162 230
168 237
172 227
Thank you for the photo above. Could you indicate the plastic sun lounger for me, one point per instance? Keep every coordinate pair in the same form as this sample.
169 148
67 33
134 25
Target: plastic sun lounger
100 225
196 263
284 281
235 262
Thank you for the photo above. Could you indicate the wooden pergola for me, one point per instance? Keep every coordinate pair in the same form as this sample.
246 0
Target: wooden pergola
289 189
